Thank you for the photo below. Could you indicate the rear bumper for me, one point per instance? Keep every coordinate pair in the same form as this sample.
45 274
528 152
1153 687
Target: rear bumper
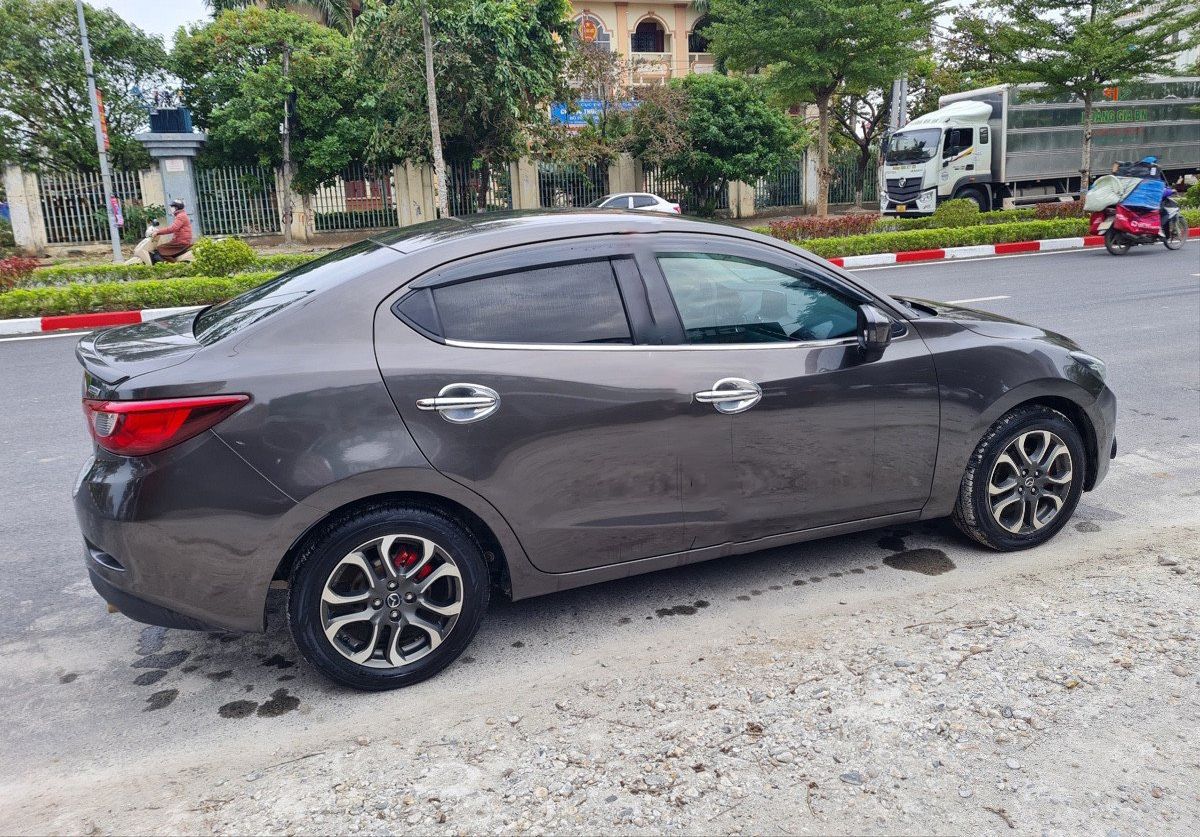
186 538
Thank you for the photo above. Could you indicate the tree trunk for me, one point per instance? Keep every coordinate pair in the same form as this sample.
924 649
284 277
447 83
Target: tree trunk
435 127
481 188
1085 167
824 173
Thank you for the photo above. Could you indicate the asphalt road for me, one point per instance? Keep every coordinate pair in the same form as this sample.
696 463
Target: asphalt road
82 691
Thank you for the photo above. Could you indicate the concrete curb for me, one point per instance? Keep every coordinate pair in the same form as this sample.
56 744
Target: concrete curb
34 325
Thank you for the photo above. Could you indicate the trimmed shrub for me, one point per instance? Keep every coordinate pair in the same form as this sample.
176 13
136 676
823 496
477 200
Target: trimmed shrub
806 227
223 257
1058 209
69 274
931 239
1190 198
14 270
282 261
126 296
959 212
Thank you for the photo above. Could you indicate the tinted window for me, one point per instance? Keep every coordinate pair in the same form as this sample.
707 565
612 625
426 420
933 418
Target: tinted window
725 299
566 303
958 139
643 200
983 136
616 203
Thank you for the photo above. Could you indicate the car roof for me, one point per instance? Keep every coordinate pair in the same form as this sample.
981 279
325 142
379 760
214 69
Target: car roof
505 229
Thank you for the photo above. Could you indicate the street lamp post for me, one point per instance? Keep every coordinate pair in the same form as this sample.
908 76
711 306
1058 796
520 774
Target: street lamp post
105 173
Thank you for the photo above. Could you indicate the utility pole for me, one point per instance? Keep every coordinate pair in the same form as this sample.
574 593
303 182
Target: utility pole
101 137
899 115
435 128
286 130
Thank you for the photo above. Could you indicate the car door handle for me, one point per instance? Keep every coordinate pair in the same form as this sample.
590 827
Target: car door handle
731 395
462 403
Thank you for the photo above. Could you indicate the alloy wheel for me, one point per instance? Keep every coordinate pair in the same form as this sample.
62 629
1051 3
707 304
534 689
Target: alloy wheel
391 601
1030 481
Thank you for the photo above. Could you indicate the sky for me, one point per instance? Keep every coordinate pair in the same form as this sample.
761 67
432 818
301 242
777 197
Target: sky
158 17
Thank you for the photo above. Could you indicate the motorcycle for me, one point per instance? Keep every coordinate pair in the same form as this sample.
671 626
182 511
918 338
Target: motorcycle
148 245
1124 227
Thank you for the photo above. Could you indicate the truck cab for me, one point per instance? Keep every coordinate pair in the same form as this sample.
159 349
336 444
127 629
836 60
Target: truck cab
941 155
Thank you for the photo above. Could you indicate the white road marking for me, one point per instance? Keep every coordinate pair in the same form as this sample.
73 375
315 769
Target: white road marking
960 262
974 299
42 336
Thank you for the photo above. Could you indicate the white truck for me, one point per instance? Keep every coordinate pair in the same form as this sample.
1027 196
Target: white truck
1007 145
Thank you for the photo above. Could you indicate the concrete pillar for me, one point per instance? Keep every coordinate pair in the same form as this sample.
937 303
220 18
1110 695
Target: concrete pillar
523 175
621 46
639 176
25 211
621 174
175 155
679 51
153 193
812 183
741 199
414 194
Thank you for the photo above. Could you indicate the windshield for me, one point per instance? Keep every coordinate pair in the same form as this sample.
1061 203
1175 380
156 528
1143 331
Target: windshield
912 146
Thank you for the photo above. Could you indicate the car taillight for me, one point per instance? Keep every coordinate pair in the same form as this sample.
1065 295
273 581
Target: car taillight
136 428
675 208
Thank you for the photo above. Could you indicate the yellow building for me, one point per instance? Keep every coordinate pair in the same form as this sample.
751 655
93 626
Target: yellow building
661 39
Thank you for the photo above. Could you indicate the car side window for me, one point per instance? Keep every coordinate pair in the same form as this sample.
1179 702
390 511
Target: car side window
577 302
616 203
958 139
640 201
729 299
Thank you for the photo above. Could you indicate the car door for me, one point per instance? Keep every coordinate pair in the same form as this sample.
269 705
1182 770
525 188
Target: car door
527 377
819 433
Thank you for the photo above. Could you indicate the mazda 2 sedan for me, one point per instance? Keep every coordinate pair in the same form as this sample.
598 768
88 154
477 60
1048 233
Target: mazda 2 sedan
524 403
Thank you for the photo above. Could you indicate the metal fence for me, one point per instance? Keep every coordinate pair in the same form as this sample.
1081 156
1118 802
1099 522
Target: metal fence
360 198
673 189
237 200
478 186
782 187
571 184
73 204
845 183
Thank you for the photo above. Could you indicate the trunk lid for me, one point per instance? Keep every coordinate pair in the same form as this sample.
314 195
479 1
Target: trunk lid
117 354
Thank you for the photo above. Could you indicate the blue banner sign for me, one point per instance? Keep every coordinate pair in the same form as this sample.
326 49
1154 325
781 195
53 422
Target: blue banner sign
585 111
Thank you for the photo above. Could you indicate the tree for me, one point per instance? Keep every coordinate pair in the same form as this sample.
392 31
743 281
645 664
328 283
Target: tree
860 119
1077 48
45 115
708 130
233 81
811 50
497 64
338 14
599 75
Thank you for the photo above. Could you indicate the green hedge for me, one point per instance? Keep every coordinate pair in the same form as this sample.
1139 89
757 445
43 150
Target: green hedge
126 296
70 274
896 242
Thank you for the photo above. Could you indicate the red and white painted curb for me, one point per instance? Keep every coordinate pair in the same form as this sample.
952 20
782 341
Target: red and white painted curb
974 251
34 325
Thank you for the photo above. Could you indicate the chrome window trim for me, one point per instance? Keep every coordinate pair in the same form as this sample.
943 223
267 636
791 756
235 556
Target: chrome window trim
673 347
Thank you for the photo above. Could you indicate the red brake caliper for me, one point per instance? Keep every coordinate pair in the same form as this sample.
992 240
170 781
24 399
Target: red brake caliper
406 556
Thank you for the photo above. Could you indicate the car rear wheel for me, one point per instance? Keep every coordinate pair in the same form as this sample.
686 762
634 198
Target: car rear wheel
1023 480
387 597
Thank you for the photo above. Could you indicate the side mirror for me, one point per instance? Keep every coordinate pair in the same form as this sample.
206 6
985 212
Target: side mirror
874 329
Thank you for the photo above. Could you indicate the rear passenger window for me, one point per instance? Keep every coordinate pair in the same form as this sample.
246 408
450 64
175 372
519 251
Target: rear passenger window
640 201
564 303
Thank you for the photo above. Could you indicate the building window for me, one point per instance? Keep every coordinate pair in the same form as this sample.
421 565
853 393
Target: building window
591 30
697 42
648 37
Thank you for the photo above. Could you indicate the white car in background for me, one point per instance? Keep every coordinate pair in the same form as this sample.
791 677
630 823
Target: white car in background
643 201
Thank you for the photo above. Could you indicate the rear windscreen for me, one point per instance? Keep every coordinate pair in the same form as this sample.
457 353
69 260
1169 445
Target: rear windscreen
219 321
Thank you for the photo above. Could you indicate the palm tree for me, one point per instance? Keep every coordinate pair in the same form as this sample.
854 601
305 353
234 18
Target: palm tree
336 14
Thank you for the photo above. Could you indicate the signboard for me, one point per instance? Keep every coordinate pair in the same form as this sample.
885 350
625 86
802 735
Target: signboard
585 111
588 30
103 119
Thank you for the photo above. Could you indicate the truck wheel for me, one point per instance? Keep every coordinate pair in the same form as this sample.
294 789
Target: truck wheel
980 199
1114 242
1178 235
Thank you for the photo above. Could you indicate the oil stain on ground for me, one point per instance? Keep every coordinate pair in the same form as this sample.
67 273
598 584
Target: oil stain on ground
238 709
168 660
161 700
219 675
149 678
923 561
280 703
278 661
1086 526
68 677
677 610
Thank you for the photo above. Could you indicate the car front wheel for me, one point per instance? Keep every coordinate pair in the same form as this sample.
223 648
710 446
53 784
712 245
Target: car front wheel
387 597
1023 480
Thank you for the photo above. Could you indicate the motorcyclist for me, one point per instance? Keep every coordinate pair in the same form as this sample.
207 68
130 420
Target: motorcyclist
174 240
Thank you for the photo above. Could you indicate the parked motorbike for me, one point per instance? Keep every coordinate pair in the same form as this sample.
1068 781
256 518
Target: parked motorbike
141 253
1124 227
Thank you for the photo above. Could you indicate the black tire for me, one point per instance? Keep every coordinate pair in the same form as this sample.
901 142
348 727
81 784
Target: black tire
1178 234
973 513
1114 242
334 542
980 198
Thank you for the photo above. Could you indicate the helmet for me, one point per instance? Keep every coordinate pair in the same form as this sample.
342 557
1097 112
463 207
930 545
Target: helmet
177 204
